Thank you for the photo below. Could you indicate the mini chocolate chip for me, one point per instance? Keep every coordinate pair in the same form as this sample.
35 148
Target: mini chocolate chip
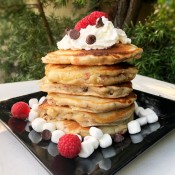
84 89
99 23
74 34
90 39
111 92
46 134
118 138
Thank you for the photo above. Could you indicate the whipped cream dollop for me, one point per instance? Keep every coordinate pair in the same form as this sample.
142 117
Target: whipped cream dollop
105 37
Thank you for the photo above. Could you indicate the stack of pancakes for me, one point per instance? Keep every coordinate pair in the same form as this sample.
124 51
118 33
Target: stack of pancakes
90 88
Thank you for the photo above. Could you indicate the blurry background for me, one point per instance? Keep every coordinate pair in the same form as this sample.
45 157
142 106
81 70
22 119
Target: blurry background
29 29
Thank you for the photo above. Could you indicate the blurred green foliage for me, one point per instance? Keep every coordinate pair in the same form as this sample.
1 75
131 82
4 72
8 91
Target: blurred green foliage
157 38
24 40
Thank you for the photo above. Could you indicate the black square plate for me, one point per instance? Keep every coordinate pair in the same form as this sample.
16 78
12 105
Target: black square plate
103 161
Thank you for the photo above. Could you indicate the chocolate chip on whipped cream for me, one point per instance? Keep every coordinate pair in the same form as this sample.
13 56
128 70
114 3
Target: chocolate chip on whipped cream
74 34
99 23
90 39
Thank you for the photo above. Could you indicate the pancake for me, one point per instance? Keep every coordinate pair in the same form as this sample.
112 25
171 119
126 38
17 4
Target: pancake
117 53
116 91
90 75
51 112
72 127
89 103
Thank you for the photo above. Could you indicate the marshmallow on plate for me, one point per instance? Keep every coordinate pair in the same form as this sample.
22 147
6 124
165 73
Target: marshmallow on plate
32 115
94 141
56 135
37 124
33 101
142 120
49 126
42 99
105 141
96 132
86 149
134 127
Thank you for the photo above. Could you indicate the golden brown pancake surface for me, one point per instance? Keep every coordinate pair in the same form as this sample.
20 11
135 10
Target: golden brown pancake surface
117 53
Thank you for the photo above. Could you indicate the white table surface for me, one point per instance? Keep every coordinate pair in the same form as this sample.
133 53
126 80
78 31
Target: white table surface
157 160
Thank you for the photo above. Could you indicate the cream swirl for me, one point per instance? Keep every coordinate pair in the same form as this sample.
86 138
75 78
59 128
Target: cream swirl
106 36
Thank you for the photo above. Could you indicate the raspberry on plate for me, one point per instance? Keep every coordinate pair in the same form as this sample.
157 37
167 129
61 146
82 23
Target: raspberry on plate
20 110
89 20
69 145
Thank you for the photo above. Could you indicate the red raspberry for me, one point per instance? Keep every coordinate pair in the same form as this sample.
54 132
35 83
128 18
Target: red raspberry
20 110
89 20
69 145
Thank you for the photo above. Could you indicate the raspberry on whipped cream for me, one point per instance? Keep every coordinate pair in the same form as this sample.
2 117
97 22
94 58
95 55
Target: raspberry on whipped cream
104 37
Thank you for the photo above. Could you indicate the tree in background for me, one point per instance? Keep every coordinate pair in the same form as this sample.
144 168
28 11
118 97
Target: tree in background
27 35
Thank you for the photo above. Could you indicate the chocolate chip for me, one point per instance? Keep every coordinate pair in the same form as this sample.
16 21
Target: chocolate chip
46 134
84 89
74 34
99 23
90 39
118 138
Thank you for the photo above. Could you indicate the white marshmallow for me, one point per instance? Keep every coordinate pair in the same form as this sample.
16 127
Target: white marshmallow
134 127
35 107
49 126
96 132
105 141
141 112
136 105
34 136
138 110
42 99
37 124
105 164
94 141
33 101
145 112
32 115
79 136
142 120
86 149
56 135
152 118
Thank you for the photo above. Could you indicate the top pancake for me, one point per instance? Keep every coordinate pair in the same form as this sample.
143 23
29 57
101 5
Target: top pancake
115 54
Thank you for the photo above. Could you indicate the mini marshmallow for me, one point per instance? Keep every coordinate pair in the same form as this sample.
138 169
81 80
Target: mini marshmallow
134 127
142 121
94 141
86 149
56 135
33 101
49 126
37 124
138 110
34 136
35 107
96 132
141 112
42 99
105 164
105 141
32 115
152 118
79 136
